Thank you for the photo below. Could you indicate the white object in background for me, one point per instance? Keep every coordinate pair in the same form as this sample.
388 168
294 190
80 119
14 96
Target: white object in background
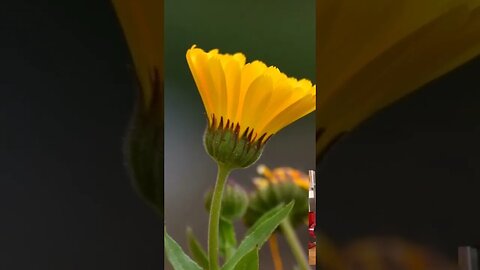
311 190
467 258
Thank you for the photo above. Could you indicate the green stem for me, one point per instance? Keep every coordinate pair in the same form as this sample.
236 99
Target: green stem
294 244
213 223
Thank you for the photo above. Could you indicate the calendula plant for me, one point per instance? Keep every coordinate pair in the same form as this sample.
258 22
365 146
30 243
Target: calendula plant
274 188
246 103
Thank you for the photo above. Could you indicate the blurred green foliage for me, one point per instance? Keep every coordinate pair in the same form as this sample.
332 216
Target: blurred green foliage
280 33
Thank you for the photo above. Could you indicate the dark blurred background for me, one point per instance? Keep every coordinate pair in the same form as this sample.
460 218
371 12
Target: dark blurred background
412 170
65 100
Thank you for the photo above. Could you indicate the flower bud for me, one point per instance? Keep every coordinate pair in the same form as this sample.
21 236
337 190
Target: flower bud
234 202
144 146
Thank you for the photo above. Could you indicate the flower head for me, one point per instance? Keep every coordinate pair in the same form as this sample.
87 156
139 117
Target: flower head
278 186
250 101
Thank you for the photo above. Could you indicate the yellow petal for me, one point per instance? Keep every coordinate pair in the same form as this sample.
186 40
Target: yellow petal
232 69
198 63
292 113
373 53
218 86
258 94
143 28
250 72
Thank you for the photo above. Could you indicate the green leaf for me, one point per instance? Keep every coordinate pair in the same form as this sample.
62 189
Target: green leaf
228 241
263 228
264 217
176 256
197 251
249 261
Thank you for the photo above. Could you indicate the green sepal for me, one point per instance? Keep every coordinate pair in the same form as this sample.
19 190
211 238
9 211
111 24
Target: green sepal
143 151
227 146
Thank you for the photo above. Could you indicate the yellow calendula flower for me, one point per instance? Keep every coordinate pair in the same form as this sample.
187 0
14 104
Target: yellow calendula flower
371 53
246 103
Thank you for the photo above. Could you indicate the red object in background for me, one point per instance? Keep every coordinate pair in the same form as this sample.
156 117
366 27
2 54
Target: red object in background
311 230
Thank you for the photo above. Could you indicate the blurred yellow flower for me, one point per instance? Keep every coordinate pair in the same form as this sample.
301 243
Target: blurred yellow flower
382 253
252 97
280 175
371 53
143 30
275 187
142 24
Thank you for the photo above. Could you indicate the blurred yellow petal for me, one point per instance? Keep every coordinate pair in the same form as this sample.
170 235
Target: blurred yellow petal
373 53
142 25
260 183
329 256
282 174
264 171
301 183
